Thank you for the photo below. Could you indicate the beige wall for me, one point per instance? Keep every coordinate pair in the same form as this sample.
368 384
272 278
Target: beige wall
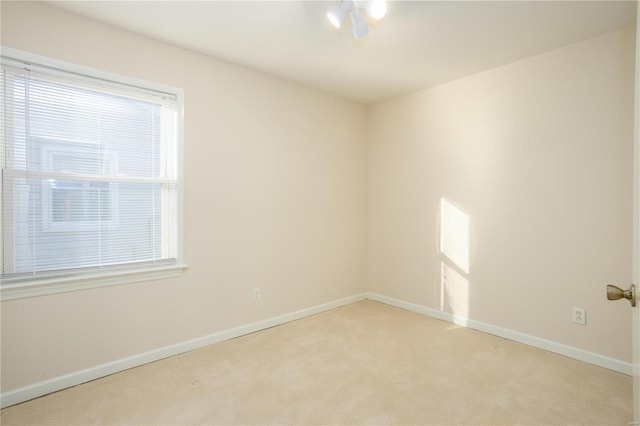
274 198
539 155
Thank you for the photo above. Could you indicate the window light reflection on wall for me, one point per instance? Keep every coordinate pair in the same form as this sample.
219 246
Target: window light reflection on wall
454 234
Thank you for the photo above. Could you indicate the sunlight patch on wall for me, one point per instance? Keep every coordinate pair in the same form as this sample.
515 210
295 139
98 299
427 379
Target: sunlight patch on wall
454 291
454 234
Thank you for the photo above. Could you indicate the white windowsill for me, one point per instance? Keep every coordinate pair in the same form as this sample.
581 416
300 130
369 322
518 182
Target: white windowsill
43 287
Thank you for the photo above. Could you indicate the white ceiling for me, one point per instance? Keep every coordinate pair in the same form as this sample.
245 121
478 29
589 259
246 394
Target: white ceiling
418 44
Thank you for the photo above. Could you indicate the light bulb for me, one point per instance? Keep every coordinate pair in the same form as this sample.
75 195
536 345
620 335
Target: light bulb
333 19
376 9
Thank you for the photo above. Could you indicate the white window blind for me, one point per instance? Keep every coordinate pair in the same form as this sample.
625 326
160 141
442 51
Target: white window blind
89 174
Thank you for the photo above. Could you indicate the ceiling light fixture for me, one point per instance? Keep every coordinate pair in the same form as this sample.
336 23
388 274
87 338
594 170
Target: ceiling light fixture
376 9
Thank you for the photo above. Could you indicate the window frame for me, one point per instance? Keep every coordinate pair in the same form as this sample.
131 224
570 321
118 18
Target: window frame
79 279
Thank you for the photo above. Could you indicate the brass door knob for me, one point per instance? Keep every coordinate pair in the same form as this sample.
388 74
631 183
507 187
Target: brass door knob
615 293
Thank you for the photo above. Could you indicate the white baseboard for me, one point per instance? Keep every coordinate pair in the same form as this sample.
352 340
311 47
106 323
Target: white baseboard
548 345
35 390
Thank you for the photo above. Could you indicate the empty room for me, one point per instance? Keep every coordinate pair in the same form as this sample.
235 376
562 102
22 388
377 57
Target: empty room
320 212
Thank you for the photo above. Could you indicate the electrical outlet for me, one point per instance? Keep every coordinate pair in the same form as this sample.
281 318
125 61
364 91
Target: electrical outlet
580 316
256 294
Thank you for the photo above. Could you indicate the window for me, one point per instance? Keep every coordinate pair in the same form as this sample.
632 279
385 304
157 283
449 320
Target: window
90 177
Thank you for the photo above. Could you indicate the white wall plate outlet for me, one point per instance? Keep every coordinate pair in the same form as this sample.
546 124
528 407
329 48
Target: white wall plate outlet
580 316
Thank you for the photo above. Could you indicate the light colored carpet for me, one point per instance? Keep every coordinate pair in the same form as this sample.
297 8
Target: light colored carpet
365 363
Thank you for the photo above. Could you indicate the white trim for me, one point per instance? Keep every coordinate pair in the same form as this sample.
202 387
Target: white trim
66 284
35 390
548 345
71 176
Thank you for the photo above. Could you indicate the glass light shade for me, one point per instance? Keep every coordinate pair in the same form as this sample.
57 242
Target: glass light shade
358 26
338 13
